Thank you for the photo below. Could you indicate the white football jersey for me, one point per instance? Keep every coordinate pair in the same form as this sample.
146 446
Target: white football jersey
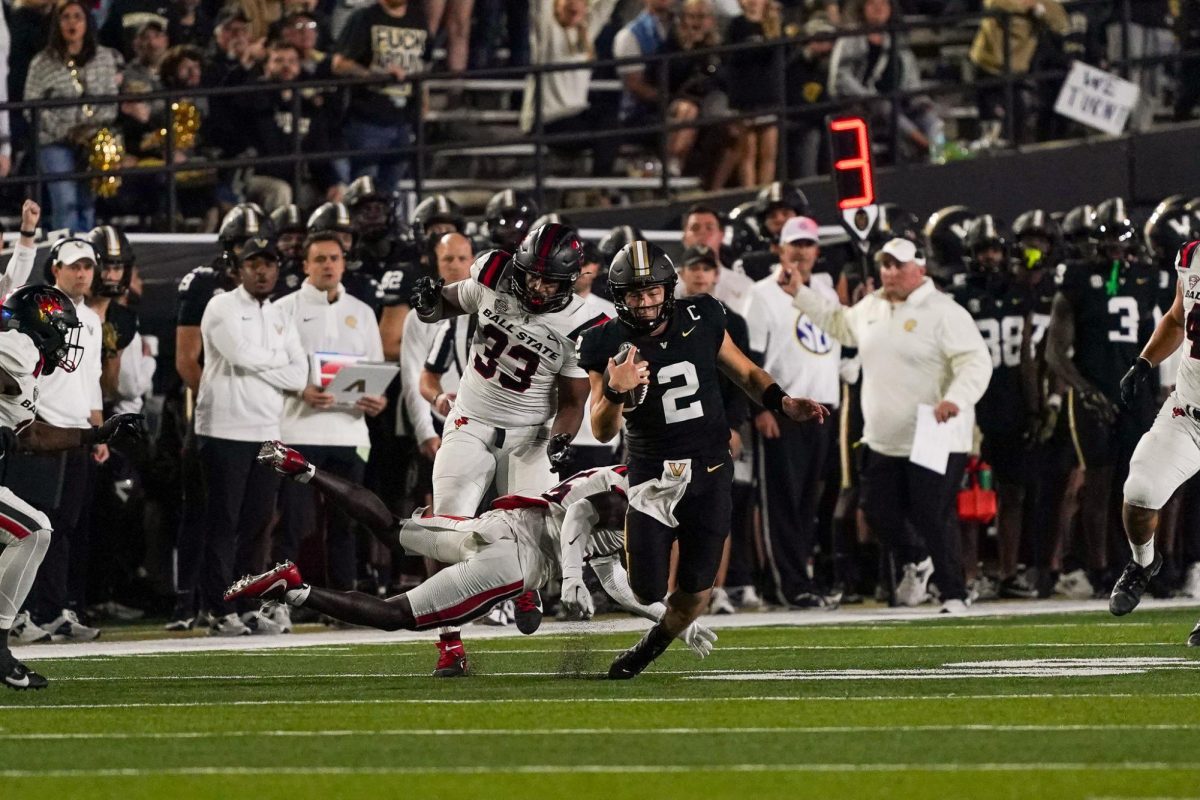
19 357
543 534
515 359
1187 381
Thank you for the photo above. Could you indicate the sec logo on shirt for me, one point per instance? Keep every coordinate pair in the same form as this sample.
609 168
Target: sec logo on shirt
811 337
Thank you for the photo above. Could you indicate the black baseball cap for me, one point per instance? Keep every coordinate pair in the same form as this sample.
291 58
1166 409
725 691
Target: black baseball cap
259 247
699 253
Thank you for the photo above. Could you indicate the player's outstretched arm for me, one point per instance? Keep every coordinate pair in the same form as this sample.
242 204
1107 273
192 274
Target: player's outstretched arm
39 437
434 301
758 384
572 397
1169 332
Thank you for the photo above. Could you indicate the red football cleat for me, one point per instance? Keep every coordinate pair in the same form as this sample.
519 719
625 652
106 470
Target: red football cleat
271 585
452 659
285 461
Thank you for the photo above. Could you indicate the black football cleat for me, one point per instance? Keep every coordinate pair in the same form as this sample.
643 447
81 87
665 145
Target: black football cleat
631 663
1194 636
1129 588
18 676
529 611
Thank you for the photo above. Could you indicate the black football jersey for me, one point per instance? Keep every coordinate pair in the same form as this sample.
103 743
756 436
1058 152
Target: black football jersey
1000 308
396 285
1113 309
291 275
364 287
682 415
196 289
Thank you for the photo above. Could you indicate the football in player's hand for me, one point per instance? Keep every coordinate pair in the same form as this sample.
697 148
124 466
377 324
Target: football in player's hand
636 395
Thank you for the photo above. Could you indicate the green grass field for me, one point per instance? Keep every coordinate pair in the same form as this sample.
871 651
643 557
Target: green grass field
1054 706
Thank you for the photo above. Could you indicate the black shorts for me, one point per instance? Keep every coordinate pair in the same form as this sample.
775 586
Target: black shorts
1101 444
704 513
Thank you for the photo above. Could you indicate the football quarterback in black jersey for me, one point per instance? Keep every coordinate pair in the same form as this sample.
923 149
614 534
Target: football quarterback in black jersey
671 352
1103 313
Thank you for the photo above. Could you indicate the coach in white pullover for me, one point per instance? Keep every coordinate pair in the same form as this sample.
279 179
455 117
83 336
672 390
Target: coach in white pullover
794 455
252 355
917 346
335 439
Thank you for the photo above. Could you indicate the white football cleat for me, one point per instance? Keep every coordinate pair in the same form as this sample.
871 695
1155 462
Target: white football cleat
913 589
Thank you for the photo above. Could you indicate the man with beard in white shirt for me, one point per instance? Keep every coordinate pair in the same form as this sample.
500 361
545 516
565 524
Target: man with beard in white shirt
329 320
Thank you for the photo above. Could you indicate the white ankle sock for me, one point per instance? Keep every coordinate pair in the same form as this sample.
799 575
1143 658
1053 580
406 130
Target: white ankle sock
1143 553
296 597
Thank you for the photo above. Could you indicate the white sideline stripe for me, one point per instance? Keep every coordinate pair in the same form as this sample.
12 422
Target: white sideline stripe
606 700
439 732
316 652
554 769
882 619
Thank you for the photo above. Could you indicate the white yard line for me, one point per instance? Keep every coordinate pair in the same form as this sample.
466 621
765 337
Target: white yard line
317 652
450 732
829 620
554 769
577 701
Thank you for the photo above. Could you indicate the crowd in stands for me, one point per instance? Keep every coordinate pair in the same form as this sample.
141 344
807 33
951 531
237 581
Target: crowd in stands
165 525
58 50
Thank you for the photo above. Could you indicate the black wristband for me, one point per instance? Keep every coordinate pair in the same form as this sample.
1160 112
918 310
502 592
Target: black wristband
30 234
613 396
772 398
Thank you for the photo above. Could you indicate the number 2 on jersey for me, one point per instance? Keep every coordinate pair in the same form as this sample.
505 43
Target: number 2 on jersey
487 362
674 407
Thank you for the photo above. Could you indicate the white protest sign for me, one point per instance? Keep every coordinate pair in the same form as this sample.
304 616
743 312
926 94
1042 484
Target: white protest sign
1097 98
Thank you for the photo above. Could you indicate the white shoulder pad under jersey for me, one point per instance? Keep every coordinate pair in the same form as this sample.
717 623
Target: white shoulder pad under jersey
22 361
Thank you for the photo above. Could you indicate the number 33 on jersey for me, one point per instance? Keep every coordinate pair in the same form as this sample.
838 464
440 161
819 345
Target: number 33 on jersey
682 414
515 358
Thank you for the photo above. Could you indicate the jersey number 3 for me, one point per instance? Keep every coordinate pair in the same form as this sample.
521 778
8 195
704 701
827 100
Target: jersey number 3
676 405
487 362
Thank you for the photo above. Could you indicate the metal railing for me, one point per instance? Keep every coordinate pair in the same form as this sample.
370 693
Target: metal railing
421 152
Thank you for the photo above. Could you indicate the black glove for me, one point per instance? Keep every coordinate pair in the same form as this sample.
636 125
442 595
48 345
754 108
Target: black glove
426 295
8 441
1135 379
1095 402
132 425
561 454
